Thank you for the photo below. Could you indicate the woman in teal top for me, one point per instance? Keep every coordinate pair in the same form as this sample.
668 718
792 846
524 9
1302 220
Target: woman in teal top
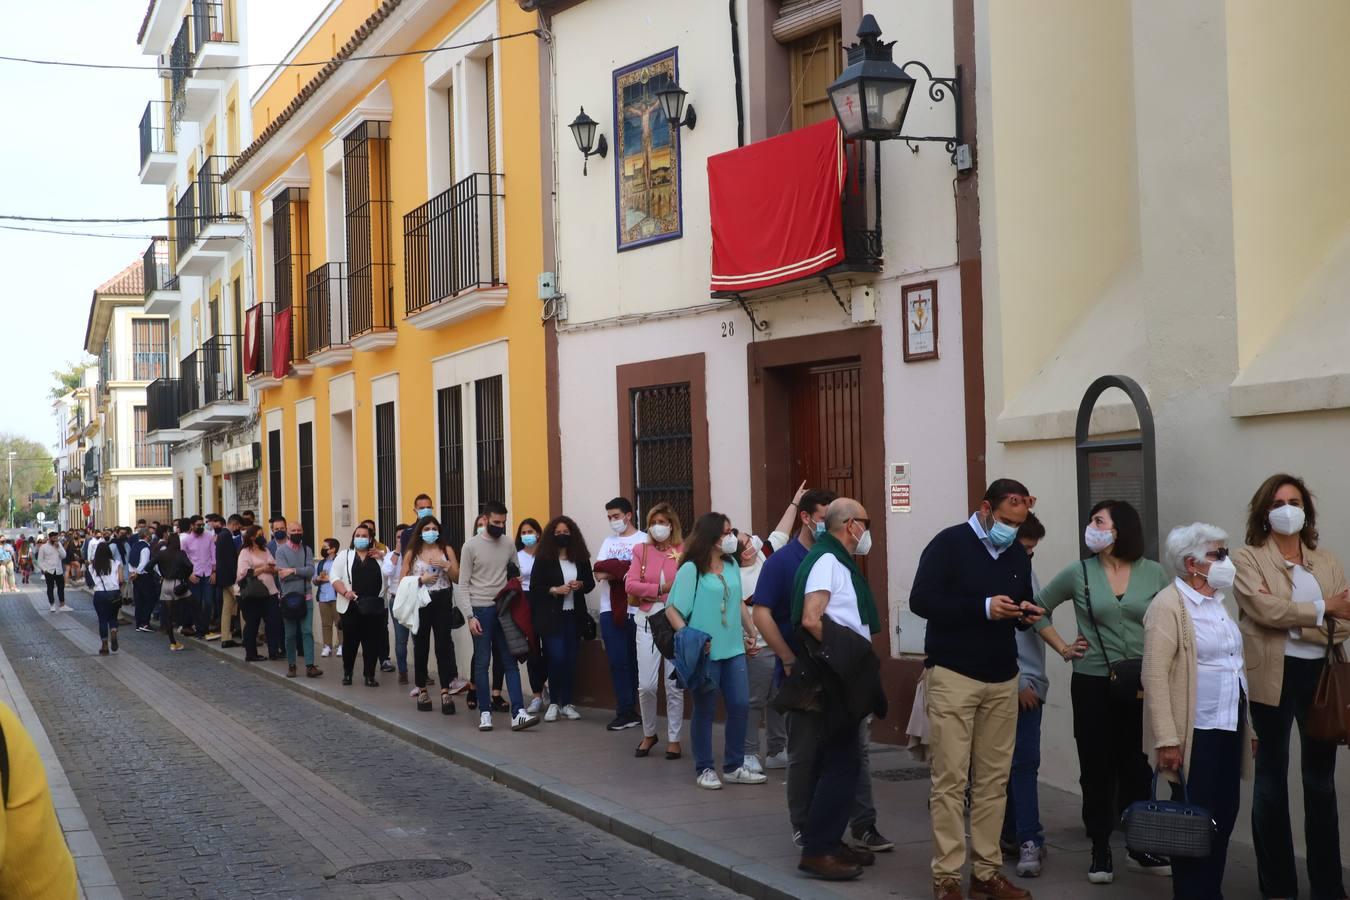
706 595
1120 584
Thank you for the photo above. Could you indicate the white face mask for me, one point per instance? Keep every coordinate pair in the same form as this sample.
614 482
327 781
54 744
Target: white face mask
1286 519
729 544
864 544
1097 540
618 526
1222 574
659 532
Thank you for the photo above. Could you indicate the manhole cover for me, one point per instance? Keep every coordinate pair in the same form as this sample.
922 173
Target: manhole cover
911 774
397 870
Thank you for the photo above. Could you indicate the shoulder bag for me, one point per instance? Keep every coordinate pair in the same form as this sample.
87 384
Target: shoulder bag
293 607
642 574
1126 675
253 588
1167 828
1329 711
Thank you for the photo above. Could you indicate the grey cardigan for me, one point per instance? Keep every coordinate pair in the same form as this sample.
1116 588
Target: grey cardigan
302 561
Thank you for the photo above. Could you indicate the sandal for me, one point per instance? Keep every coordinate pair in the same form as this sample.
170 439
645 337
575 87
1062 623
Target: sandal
447 702
423 701
472 702
499 704
645 747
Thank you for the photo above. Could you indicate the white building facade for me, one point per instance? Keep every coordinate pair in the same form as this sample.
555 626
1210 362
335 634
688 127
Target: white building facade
76 417
199 275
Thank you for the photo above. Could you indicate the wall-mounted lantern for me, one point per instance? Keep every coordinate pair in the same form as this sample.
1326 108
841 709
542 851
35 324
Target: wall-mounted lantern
583 131
672 104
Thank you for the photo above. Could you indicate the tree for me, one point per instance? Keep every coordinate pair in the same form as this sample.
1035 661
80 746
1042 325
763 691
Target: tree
33 473
68 379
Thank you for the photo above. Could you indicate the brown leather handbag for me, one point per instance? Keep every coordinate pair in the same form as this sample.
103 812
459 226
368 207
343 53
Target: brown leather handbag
1329 712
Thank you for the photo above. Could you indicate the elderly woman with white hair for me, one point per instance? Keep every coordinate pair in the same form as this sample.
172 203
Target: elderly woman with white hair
1195 695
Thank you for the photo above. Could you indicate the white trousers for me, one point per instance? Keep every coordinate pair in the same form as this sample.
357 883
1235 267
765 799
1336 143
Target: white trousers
652 668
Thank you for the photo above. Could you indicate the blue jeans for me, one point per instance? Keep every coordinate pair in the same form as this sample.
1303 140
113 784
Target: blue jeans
401 635
834 781
733 682
1213 781
560 659
105 604
305 627
1022 819
483 645
621 649
204 604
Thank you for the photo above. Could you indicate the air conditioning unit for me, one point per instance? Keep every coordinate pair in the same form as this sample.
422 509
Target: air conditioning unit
165 66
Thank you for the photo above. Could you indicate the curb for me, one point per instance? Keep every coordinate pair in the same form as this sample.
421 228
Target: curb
733 870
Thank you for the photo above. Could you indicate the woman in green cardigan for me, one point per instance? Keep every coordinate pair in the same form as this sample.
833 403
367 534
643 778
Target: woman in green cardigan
1110 591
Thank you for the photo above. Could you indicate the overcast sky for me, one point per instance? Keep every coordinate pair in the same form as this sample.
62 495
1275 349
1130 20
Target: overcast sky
71 150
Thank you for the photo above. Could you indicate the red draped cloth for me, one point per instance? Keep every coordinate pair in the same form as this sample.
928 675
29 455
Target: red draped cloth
281 343
777 208
253 341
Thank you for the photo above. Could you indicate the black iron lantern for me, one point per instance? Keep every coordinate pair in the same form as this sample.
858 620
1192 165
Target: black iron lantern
872 95
671 98
583 131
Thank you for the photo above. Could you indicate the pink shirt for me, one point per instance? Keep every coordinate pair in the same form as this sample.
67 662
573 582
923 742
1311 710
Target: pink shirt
252 557
201 551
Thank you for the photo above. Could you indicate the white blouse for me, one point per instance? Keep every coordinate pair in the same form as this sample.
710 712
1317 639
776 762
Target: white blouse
526 563
1306 590
1221 676
107 582
569 572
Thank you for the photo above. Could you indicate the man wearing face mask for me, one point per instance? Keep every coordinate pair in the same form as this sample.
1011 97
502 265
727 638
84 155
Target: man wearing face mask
295 568
423 508
973 586
617 626
200 548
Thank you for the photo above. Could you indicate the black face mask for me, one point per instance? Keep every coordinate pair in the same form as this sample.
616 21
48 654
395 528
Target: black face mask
496 531
297 538
261 542
562 540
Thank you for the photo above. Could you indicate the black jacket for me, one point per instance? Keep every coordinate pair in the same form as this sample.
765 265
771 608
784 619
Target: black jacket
545 608
173 564
841 679
227 557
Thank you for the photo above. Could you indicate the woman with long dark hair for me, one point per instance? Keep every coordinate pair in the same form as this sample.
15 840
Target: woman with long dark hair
433 563
107 589
256 561
174 569
359 583
559 582
707 596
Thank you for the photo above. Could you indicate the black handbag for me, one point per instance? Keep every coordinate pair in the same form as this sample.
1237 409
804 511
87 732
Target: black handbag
663 633
586 626
456 616
370 606
1167 828
252 588
293 607
1126 676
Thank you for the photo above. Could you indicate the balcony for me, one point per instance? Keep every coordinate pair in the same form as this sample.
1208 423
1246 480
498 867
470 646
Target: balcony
157 156
451 255
165 404
206 42
162 294
326 333
209 223
258 349
217 396
214 39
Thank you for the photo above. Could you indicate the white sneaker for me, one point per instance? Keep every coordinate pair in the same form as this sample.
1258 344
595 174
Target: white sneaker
485 721
338 651
523 720
777 760
744 776
535 705
1029 860
327 651
751 762
707 779
570 712
552 714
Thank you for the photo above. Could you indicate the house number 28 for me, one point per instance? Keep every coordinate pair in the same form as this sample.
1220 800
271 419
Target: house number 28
728 329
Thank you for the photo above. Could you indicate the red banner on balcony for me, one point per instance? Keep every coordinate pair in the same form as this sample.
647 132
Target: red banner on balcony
777 208
253 340
281 343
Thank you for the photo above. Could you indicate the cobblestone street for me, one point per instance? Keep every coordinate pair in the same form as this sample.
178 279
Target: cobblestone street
199 779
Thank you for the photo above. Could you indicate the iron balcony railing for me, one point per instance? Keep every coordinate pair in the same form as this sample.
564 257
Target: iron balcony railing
221 381
328 314
163 402
211 23
180 60
189 383
258 362
155 129
151 456
862 238
449 242
157 269
214 203
185 221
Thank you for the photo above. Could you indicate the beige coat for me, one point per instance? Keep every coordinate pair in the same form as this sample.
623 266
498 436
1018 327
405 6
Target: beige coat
1170 674
1266 611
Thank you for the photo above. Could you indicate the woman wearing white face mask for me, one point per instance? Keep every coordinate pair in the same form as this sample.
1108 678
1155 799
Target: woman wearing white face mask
1110 593
648 583
1288 592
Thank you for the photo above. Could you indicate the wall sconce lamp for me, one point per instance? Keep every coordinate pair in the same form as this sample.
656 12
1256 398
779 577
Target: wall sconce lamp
583 130
672 104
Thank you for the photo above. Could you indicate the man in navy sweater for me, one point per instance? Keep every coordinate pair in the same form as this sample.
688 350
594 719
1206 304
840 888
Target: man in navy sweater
973 585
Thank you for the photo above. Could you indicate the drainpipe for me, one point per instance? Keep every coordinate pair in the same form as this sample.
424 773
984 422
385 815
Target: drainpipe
736 71
967 190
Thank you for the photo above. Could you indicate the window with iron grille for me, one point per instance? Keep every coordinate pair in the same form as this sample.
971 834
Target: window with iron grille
149 349
146 453
386 471
274 473
491 434
154 510
663 450
305 440
450 462
201 494
365 176
290 259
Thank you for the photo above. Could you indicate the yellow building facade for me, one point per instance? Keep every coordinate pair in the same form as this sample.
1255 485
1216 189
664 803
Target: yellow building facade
395 337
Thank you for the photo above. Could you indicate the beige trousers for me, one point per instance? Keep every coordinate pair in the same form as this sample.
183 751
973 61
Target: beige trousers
228 607
327 617
972 730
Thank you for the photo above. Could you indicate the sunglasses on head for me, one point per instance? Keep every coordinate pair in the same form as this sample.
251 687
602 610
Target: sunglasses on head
1217 555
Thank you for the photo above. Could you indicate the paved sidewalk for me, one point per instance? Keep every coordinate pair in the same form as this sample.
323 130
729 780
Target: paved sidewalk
739 835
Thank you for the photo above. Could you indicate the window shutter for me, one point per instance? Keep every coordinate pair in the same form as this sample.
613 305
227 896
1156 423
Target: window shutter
801 17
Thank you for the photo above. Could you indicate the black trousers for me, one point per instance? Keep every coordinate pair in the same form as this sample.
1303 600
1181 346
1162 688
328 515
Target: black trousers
434 622
166 614
1214 782
1114 771
362 632
145 591
1275 866
253 612
56 587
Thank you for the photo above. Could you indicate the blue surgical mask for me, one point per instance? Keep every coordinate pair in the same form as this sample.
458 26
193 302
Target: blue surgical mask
361 543
1001 534
529 540
820 529
430 537
424 512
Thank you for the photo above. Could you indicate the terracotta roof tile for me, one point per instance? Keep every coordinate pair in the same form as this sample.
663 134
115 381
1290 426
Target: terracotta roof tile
129 282
145 23
353 43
